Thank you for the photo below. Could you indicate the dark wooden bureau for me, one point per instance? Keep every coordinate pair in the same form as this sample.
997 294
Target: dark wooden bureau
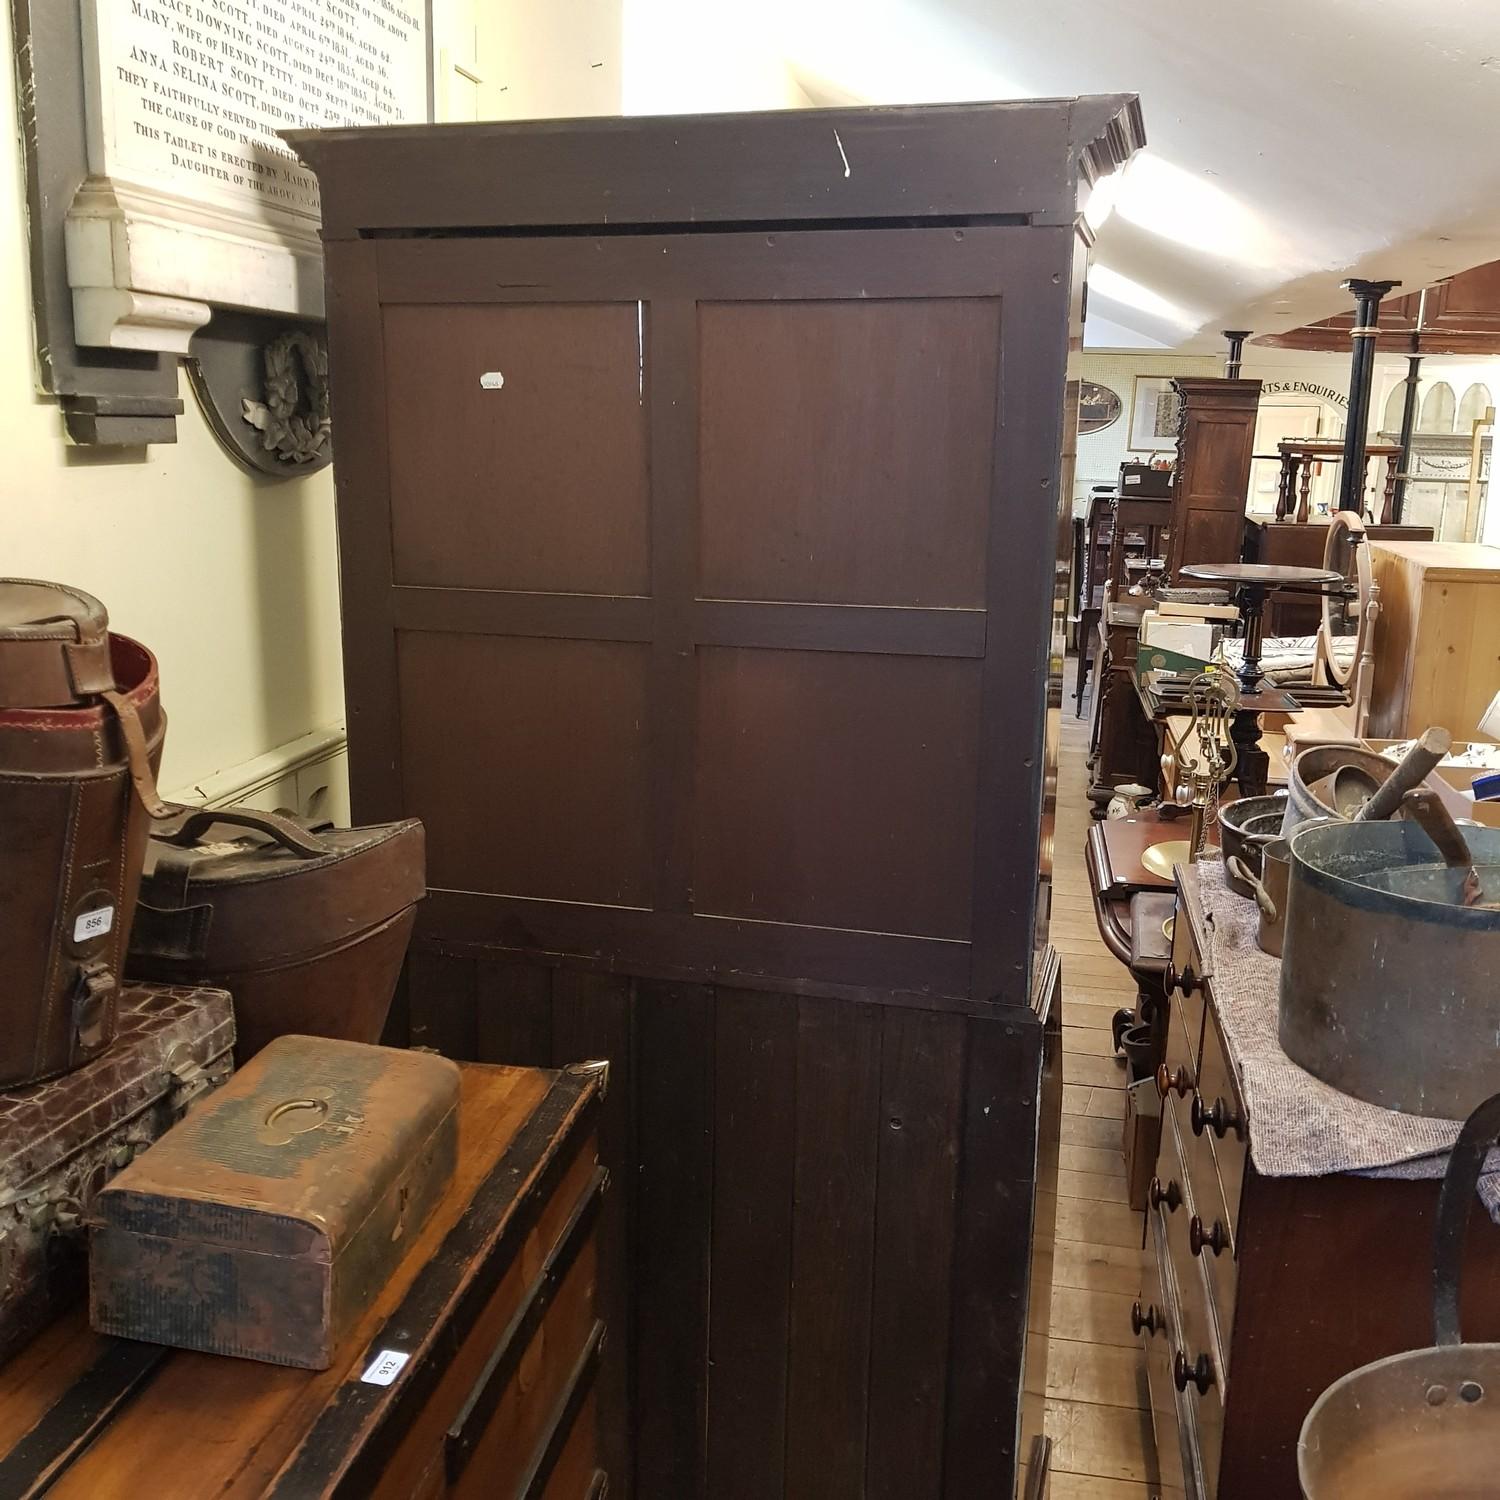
1211 479
1259 1292
494 1308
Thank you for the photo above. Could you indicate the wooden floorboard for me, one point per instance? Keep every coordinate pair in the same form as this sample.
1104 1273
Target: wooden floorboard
1088 1487
1083 1130
1097 1268
1104 1159
1107 1442
1098 1412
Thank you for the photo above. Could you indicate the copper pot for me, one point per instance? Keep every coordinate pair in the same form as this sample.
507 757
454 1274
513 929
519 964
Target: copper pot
1424 1425
1269 889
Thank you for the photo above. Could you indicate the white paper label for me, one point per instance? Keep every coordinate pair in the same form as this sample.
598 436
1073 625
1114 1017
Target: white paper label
492 380
385 1367
93 924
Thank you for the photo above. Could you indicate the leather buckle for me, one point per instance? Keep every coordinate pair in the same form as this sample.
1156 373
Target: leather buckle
93 993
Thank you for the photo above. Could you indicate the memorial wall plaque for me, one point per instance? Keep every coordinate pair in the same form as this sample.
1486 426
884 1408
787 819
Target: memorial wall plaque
191 202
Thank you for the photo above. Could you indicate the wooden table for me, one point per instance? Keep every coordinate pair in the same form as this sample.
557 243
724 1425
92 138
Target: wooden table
1298 455
494 1308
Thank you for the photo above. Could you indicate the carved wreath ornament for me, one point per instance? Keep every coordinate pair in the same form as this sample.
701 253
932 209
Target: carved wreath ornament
293 420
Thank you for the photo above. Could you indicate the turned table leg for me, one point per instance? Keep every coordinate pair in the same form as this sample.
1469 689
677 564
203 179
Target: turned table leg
1252 766
1388 507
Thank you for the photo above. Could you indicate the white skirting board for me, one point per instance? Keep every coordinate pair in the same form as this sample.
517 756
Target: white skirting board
308 776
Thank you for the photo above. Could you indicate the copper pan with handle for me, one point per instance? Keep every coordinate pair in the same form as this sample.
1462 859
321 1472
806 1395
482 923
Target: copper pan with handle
1424 1425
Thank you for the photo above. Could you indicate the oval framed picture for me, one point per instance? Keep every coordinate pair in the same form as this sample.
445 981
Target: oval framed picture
1098 406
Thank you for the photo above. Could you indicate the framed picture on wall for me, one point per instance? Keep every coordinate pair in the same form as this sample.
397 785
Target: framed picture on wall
1098 407
1153 414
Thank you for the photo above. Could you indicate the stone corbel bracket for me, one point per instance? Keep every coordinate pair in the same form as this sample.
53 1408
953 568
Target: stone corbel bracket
147 269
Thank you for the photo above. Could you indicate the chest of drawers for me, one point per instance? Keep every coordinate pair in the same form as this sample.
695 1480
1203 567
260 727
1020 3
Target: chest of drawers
472 1373
1259 1291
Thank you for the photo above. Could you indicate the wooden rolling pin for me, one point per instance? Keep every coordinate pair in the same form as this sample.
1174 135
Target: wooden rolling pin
1411 771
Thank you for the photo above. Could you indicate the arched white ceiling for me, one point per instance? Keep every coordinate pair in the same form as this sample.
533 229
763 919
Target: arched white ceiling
1291 142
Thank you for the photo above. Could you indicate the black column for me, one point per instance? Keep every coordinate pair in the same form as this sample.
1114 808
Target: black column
1408 423
1236 337
1367 295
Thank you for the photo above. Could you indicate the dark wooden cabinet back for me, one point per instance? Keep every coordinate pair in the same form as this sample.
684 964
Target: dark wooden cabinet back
1215 445
696 534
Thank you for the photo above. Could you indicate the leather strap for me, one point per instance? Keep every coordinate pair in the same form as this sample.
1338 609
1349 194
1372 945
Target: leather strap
179 934
54 645
137 754
53 674
93 994
285 831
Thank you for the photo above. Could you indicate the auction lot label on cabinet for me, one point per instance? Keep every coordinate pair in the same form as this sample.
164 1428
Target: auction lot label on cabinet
186 96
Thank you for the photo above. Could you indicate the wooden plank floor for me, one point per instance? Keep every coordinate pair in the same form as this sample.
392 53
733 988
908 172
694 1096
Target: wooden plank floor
1097 1408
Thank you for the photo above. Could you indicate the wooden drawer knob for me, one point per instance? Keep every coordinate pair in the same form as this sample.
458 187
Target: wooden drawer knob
1147 1319
1168 1081
1185 981
1215 1239
1170 1194
1221 1118
1200 1373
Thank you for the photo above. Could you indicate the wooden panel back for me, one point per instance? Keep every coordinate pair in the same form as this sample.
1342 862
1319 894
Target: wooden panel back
825 1221
556 800
709 592
837 790
517 439
846 449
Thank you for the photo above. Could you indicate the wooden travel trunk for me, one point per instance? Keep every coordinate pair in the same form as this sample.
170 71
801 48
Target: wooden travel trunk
697 528
263 1225
62 1141
471 1373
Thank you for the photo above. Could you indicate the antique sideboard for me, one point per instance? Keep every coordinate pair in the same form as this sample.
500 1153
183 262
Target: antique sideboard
692 479
474 1372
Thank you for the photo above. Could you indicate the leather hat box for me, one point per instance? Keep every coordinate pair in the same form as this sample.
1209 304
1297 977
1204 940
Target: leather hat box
306 928
81 729
62 1140
266 1221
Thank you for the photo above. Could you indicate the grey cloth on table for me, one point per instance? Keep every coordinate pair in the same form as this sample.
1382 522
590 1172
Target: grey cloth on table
1288 658
1301 1126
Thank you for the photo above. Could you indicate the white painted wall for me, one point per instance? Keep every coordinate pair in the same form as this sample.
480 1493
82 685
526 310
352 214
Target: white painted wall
233 583
540 59
703 57
1100 454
